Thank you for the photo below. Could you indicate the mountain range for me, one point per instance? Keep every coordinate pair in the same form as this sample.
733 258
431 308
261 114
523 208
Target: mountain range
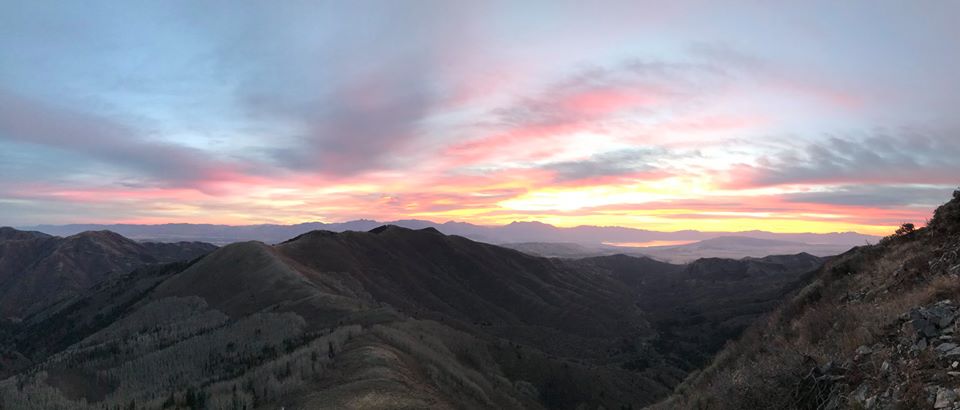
515 232
389 318
401 318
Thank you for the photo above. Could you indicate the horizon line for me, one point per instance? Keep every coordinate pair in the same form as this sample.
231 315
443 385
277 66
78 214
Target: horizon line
391 222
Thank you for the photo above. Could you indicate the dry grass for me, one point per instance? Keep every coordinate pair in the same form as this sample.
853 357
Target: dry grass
855 300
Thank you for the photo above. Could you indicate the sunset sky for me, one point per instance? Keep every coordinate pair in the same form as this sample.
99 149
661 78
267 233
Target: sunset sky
814 117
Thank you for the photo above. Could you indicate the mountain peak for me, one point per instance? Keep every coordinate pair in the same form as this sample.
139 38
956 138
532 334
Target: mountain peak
528 223
318 233
8 233
396 228
384 228
100 235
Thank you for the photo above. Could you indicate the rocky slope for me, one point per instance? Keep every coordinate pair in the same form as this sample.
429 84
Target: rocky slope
37 270
875 328
391 318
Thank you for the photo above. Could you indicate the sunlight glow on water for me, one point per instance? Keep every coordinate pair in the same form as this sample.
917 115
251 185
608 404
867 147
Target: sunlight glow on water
648 244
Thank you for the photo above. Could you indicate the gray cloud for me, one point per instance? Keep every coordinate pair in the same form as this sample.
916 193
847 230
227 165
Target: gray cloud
25 121
907 157
356 94
350 136
891 196
607 164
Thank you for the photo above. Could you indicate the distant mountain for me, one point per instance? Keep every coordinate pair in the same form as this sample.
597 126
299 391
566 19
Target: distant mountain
37 269
515 232
390 318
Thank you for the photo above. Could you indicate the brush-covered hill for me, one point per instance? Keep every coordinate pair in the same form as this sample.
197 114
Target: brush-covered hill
698 307
390 318
875 328
37 270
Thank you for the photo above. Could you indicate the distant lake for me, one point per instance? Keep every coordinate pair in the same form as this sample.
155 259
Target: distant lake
648 243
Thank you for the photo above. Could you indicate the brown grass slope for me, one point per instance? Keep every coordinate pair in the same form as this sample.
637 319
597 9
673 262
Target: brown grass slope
851 337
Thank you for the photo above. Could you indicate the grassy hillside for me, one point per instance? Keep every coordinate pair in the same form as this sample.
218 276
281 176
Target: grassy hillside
873 329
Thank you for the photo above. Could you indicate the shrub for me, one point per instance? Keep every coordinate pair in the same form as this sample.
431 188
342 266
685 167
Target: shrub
946 219
905 229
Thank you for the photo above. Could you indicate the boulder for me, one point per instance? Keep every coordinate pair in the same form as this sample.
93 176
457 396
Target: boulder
860 394
885 367
946 347
927 322
945 398
924 328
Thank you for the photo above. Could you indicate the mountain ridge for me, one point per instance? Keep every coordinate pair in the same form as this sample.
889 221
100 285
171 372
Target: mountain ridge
513 232
38 269
405 318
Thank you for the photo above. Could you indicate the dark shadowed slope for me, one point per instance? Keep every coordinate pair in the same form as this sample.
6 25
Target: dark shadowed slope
37 269
696 308
391 318
425 272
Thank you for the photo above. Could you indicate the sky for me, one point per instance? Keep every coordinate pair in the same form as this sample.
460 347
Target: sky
814 116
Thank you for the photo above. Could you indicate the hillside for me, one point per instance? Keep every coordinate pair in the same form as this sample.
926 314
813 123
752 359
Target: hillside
37 270
696 308
390 318
875 328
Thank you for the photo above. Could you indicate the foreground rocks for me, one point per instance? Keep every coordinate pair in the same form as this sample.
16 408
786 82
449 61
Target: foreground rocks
916 365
